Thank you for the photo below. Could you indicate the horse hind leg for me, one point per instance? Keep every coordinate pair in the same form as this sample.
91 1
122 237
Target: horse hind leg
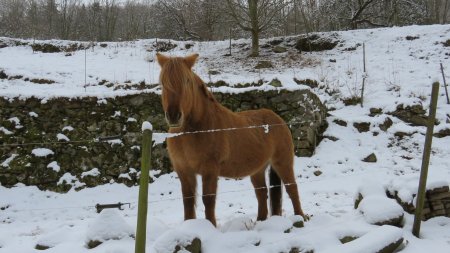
259 183
285 170
275 193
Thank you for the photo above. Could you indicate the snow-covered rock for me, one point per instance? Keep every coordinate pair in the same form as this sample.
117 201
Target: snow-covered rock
380 210
384 239
42 152
109 225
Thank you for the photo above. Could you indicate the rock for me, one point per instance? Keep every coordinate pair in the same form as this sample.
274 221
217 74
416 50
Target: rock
46 48
446 43
380 210
396 221
375 111
276 41
340 122
315 43
213 72
317 173
413 114
442 133
109 225
347 239
194 247
410 37
93 244
384 239
372 158
264 65
279 49
386 124
163 46
308 82
352 100
3 75
297 221
362 126
41 247
275 83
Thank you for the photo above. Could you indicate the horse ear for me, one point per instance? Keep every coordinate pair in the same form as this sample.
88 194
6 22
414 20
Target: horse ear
190 60
162 59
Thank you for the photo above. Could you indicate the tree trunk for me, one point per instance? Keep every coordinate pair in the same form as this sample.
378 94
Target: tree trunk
255 44
253 11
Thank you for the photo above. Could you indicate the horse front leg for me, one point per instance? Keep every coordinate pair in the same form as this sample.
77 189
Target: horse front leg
188 189
209 182
259 183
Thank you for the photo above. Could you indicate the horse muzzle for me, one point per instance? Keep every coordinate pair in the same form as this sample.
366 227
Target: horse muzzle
174 119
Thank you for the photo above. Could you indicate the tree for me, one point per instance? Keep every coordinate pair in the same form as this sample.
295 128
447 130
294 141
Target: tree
67 14
255 16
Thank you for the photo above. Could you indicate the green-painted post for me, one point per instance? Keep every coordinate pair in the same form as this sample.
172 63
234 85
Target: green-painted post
143 188
425 160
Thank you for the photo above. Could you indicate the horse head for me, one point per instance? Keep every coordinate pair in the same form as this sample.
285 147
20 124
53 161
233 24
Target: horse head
178 84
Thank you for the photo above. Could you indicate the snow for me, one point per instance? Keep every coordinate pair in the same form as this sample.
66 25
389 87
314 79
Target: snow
398 72
8 160
54 166
274 223
109 225
406 187
147 126
377 209
371 242
42 152
70 179
62 137
33 114
67 128
93 173
5 131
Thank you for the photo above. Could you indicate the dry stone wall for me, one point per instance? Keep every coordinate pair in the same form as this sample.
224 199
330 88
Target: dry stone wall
437 203
62 165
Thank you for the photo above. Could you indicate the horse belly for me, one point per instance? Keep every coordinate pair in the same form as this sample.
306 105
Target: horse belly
243 165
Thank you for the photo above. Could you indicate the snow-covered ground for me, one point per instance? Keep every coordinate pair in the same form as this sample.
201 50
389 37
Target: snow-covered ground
399 71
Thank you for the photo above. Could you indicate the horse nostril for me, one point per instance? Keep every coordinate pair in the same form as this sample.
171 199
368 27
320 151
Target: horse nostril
173 117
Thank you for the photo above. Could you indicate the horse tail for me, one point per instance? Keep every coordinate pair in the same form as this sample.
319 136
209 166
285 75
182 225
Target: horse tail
275 192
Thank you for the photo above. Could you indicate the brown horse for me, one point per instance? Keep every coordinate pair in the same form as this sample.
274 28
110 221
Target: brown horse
190 106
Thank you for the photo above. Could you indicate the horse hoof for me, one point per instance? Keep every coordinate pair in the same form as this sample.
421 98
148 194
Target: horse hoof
306 217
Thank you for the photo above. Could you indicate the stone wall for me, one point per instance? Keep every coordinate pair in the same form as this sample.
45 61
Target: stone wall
437 203
60 166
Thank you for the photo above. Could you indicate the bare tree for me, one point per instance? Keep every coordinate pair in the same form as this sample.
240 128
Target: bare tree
255 16
67 12
207 19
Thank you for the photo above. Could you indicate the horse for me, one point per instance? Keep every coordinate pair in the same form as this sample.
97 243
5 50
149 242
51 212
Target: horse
190 107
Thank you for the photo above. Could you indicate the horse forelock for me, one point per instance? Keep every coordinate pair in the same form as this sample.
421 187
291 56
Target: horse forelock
179 79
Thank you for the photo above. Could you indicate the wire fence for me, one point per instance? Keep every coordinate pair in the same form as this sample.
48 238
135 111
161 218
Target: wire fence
163 136
158 137
298 182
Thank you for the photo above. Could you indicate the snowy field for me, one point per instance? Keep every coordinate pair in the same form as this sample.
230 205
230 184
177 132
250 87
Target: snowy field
399 71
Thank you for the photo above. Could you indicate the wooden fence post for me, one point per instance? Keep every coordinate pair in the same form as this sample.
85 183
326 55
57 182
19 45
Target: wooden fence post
445 84
141 229
364 75
425 160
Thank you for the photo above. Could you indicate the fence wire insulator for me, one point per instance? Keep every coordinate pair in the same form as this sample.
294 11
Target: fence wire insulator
109 138
119 205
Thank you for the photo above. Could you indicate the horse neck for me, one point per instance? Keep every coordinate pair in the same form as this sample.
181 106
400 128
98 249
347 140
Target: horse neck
205 108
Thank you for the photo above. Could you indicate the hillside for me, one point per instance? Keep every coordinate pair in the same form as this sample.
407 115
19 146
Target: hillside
401 65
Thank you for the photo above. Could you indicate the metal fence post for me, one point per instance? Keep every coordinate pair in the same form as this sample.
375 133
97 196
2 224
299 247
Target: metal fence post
141 229
425 161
